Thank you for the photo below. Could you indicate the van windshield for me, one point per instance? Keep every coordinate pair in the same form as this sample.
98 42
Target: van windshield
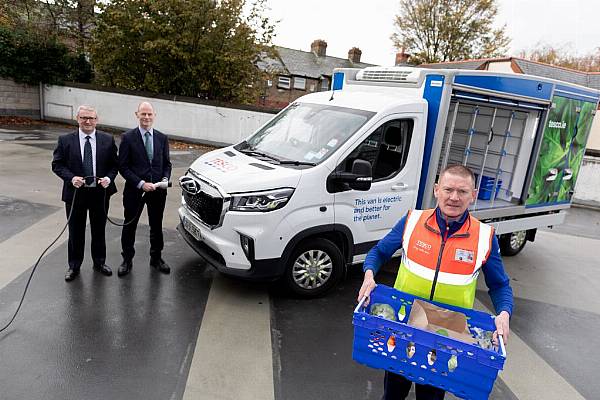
304 134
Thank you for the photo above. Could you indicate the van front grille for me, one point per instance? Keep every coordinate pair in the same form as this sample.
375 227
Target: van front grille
208 208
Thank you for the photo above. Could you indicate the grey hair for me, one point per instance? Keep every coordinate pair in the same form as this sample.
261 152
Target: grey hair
85 107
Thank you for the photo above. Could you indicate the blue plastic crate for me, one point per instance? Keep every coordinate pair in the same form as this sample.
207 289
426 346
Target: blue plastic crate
476 368
486 187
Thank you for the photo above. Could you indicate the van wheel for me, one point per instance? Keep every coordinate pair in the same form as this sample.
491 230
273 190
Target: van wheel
512 243
315 266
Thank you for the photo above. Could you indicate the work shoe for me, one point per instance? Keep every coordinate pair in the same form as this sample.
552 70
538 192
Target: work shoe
125 268
160 265
71 274
103 268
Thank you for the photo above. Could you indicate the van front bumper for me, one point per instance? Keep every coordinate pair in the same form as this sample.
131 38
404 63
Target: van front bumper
258 270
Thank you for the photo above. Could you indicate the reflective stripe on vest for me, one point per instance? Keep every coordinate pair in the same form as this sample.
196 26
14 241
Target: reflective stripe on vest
460 261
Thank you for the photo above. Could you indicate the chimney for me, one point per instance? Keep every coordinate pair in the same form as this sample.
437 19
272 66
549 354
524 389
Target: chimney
318 47
402 57
354 55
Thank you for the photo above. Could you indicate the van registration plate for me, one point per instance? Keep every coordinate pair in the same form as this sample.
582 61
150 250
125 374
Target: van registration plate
192 229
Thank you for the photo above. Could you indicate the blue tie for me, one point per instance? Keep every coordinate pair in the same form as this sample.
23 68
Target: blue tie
148 145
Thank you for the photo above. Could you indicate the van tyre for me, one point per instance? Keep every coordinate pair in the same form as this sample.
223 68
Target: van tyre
512 243
314 267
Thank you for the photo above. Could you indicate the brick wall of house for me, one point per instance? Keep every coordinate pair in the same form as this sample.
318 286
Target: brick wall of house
276 97
19 100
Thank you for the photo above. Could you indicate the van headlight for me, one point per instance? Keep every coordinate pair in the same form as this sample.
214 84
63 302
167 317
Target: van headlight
261 201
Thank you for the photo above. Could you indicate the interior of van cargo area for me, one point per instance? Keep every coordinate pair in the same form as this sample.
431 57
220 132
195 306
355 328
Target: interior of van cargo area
496 143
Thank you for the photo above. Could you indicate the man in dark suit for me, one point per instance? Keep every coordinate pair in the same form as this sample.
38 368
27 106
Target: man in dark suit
143 161
86 161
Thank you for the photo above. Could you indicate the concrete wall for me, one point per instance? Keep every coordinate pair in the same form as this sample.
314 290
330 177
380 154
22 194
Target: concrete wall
594 138
19 100
201 123
587 188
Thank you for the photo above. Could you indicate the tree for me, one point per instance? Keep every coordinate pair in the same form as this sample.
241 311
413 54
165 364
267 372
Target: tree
563 57
199 48
66 19
62 25
29 57
449 30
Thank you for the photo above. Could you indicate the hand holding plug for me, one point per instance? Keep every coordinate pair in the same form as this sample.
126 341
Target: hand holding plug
104 182
164 184
77 181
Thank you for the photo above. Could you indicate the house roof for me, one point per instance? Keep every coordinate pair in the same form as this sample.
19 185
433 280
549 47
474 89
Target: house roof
589 79
305 63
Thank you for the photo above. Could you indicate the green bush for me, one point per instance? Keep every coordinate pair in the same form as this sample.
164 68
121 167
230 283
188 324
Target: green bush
29 57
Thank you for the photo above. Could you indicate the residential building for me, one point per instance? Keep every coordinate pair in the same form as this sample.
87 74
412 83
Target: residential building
297 72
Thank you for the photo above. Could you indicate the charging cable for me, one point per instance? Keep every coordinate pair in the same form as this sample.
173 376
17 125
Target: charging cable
38 261
163 185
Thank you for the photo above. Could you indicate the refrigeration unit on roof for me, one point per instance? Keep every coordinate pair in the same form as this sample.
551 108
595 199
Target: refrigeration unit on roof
389 74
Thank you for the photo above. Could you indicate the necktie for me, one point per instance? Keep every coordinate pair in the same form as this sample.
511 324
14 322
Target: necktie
148 145
88 163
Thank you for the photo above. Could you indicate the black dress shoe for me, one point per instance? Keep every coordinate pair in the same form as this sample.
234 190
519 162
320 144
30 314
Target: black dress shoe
104 269
125 268
71 274
160 265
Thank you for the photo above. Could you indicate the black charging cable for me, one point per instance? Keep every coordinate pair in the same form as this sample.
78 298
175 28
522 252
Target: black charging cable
163 184
141 207
38 261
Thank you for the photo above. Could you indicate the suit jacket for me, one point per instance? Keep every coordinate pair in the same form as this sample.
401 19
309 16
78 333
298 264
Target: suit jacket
134 164
67 162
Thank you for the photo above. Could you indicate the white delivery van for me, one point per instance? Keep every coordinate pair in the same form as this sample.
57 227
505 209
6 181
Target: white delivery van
317 186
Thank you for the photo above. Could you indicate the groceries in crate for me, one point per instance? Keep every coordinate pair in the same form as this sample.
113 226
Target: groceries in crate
429 317
452 363
434 353
391 343
431 357
483 338
384 311
410 350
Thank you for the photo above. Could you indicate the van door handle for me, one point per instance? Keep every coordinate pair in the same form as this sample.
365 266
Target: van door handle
400 186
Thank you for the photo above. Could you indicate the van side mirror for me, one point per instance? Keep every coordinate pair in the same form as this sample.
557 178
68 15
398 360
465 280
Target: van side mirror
363 175
359 179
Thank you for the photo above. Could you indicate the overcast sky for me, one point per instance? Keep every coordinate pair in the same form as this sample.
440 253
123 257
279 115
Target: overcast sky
368 25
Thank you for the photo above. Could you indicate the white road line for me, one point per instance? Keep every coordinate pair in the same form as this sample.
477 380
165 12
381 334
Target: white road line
233 355
20 252
528 376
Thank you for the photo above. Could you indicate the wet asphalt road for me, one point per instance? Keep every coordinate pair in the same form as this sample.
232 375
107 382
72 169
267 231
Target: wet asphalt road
101 337
133 338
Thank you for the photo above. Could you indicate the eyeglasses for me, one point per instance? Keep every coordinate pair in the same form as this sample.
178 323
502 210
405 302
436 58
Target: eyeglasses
87 118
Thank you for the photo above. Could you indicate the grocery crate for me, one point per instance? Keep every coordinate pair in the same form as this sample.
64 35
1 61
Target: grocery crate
466 370
487 187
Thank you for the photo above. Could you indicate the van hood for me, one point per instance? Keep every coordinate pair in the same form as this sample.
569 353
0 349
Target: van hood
235 172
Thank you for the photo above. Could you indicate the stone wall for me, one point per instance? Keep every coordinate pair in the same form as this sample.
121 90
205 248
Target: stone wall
19 100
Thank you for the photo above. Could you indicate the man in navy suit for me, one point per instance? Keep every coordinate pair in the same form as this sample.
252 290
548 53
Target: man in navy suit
86 161
143 161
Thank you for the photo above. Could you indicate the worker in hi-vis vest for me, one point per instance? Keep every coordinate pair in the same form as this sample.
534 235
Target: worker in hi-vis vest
443 250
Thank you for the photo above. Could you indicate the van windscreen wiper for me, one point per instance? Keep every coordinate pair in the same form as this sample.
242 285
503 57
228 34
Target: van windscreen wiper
296 162
260 154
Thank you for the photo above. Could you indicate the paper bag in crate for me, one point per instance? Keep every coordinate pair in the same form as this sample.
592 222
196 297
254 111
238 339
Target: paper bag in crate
429 317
